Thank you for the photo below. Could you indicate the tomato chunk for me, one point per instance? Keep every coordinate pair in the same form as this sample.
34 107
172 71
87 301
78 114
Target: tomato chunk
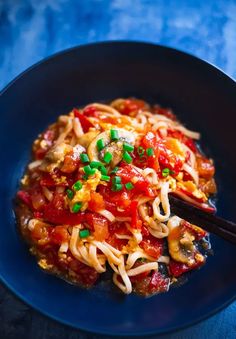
97 202
59 235
85 123
152 246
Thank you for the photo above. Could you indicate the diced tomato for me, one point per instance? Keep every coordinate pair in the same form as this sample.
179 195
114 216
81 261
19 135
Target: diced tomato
38 200
71 162
178 268
136 222
85 275
117 228
85 123
97 202
205 167
55 212
131 106
198 232
156 283
115 199
41 232
47 180
101 232
24 196
59 235
152 246
141 185
162 157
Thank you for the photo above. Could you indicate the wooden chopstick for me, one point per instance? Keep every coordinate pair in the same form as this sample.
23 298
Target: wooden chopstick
208 221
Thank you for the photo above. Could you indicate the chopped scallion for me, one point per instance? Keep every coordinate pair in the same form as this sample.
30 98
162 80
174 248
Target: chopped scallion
127 147
107 157
77 185
117 187
115 169
165 172
140 151
103 170
76 207
84 233
70 194
105 177
150 151
127 158
100 144
95 164
116 180
129 186
114 135
84 158
89 171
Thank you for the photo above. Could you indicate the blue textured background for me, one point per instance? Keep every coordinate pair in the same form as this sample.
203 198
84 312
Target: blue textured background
33 29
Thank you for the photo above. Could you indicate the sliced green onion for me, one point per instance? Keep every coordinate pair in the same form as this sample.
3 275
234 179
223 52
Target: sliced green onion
70 194
129 186
84 157
117 187
150 151
78 185
89 171
95 164
114 135
127 147
116 180
84 233
100 144
105 177
165 172
107 157
115 169
140 151
76 207
93 171
127 158
103 170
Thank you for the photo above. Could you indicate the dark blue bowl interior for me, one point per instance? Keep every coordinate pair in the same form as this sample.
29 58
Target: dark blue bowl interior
202 97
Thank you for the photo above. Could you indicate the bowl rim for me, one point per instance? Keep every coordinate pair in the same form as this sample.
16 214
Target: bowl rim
19 295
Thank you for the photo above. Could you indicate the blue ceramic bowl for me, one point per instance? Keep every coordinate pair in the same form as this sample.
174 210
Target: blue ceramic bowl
203 98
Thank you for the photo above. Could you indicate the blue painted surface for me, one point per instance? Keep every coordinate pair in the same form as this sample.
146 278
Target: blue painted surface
31 30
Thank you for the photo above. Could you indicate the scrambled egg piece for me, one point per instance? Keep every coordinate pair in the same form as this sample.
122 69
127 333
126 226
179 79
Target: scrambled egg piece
84 194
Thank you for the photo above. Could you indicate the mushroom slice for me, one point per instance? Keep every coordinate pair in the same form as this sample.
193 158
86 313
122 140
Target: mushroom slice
87 138
57 152
114 147
181 243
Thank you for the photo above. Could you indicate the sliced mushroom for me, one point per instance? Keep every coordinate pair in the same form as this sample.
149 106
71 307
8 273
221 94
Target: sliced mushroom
181 243
114 147
57 153
87 138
